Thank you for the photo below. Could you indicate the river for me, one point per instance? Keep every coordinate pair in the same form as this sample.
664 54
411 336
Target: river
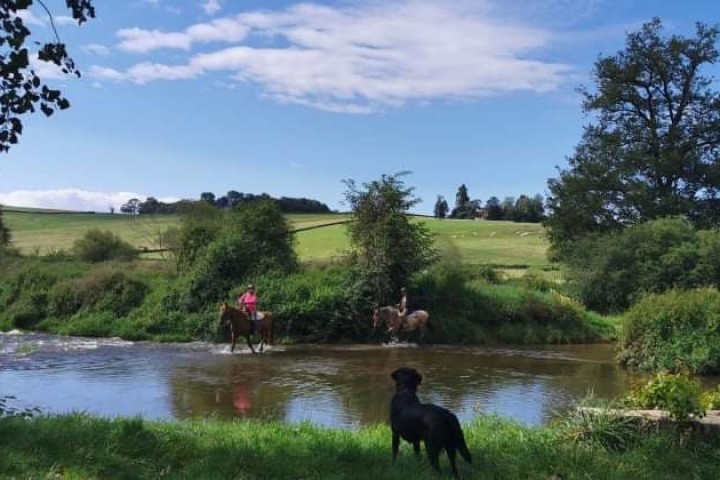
331 385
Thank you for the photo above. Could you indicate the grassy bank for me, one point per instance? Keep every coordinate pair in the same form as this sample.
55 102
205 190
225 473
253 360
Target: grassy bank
83 447
477 242
146 301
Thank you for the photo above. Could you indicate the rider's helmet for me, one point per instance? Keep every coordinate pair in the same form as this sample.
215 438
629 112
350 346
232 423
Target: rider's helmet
251 286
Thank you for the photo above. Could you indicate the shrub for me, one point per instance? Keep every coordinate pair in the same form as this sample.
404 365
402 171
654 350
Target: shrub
109 291
610 273
710 400
100 246
606 428
674 330
677 394
313 305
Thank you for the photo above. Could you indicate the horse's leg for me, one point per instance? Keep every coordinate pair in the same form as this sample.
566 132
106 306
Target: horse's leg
249 342
233 338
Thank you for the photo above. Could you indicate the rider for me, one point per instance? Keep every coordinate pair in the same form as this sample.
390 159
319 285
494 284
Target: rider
248 302
403 305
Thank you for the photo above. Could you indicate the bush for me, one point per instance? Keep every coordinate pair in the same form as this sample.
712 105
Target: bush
100 246
314 305
108 291
710 400
610 273
606 428
677 394
673 331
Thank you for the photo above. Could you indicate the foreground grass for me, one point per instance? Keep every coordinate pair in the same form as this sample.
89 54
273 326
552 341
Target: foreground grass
476 242
83 447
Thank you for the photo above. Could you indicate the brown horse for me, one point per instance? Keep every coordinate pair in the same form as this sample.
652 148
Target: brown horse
396 323
240 324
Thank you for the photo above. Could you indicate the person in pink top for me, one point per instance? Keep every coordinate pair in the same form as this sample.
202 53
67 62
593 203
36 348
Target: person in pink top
248 302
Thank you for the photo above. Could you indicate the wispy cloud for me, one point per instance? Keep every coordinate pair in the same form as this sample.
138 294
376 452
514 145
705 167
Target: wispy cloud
71 199
96 49
64 20
211 7
357 58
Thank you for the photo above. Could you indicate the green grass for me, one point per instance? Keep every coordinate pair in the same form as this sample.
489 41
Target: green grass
476 242
84 447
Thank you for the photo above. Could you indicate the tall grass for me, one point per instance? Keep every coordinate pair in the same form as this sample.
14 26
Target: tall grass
79 446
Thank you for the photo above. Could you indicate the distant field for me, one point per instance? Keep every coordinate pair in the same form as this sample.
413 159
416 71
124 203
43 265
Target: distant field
477 242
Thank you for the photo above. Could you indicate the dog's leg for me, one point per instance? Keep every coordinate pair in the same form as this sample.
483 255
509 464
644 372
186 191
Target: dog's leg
395 445
433 453
416 447
451 457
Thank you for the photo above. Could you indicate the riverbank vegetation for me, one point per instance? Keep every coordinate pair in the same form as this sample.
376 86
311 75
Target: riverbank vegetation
80 446
214 254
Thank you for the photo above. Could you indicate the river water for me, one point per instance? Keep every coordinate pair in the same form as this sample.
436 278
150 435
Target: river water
338 386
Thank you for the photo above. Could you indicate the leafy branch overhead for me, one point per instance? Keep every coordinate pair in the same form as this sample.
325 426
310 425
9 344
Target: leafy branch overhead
22 90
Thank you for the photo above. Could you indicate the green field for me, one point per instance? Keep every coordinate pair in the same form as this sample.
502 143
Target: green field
504 244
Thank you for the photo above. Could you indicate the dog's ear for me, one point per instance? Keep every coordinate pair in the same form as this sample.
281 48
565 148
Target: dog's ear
394 374
418 377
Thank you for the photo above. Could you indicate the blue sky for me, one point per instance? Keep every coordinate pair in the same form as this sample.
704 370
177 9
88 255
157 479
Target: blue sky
179 97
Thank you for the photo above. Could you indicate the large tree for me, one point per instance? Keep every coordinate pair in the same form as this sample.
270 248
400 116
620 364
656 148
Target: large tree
463 207
21 88
441 207
653 148
388 248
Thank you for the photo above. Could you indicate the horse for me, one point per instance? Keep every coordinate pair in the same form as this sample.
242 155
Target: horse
396 323
240 324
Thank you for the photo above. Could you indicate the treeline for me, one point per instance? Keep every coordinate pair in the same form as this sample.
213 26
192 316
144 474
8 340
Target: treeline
230 200
523 209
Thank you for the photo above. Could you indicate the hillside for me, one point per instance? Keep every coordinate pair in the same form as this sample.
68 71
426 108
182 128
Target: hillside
479 242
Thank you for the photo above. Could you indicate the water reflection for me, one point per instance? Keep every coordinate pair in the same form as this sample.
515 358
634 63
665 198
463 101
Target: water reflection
343 386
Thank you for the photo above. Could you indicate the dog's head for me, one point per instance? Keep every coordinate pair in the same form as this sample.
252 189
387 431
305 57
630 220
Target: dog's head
407 378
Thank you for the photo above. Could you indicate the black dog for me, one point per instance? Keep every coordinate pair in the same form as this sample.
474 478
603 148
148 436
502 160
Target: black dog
414 421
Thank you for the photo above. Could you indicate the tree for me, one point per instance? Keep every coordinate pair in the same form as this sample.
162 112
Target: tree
256 239
441 207
493 209
387 247
528 209
4 231
508 208
132 207
21 89
463 207
208 197
653 149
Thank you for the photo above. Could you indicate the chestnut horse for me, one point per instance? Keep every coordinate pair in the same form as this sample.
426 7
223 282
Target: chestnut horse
396 323
240 324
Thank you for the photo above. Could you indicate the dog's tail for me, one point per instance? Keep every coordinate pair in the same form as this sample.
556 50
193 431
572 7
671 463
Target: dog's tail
461 445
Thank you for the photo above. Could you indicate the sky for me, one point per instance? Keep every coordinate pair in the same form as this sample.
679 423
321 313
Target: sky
180 97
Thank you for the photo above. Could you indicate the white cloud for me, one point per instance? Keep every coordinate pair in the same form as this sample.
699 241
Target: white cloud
211 7
30 18
71 199
138 40
47 70
359 59
96 49
65 20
